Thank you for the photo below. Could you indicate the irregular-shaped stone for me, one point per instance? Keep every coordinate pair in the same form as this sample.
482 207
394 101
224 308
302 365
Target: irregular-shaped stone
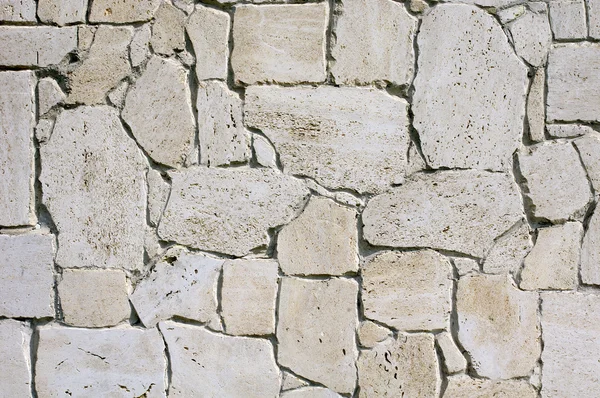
454 361
590 251
49 94
88 362
498 326
139 50
573 82
463 386
93 298
374 43
264 151
221 134
35 46
568 130
322 240
119 11
62 12
589 148
208 30
248 296
557 184
17 120
464 265
213 365
370 333
85 37
93 185
408 290
106 65
310 392
291 381
316 330
168 30
15 367
508 251
536 106
571 345
469 114
429 210
531 34
229 210
507 15
117 95
406 366
183 285
554 260
43 130
568 19
350 138
17 10
158 193
270 48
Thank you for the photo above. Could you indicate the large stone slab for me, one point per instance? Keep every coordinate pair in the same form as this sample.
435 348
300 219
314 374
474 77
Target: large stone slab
498 326
342 137
229 210
17 10
213 365
463 386
17 121
316 330
158 109
590 251
62 12
15 368
444 210
509 250
88 362
119 11
35 46
469 109
408 290
93 185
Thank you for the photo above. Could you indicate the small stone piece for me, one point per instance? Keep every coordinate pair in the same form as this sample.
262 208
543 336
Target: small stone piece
168 31
568 130
62 12
370 333
158 193
406 366
321 241
119 11
269 48
374 43
568 19
87 362
589 148
508 251
214 365
557 183
454 361
35 46
264 151
553 262
291 381
43 130
221 133
15 367
139 50
498 326
93 298
117 95
85 37
462 386
408 290
510 14
159 111
465 265
248 296
590 251
17 10
536 106
208 30
316 330
531 34
310 392
418 6
182 285
429 211
49 94
229 210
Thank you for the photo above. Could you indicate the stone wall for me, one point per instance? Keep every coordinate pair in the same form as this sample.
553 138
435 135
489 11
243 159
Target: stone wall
344 198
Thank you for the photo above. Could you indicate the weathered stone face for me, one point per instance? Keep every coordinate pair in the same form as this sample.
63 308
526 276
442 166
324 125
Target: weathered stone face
15 368
208 30
508 251
62 12
590 252
531 34
117 11
454 361
463 386
17 10
35 46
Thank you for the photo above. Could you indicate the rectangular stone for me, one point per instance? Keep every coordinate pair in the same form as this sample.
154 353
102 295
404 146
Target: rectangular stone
17 10
15 367
593 12
35 46
568 19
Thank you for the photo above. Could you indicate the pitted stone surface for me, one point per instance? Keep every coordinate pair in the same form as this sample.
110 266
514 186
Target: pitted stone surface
590 251
469 110
310 392
62 12
568 19
370 333
35 46
536 106
119 11
17 10
229 210
208 30
428 210
508 251
463 386
158 193
93 185
15 368
568 130
588 148
342 137
408 290
454 361
49 94
531 34
168 31
139 50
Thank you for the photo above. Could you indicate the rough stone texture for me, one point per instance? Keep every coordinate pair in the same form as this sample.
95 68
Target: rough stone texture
17 10
341 137
93 298
62 12
264 151
35 46
531 34
374 43
498 326
49 94
593 16
406 366
554 260
464 386
557 184
83 362
229 210
291 381
43 130
208 364
322 240
408 290
208 30
590 251
279 43
465 265
429 211
588 148
15 368
138 49
117 95
571 345
573 82
222 137
158 193
159 112
93 185
17 120
536 106
168 31
370 333
508 251
183 285
310 392
248 296
568 19
119 11
454 361
469 111
316 330
85 37
568 130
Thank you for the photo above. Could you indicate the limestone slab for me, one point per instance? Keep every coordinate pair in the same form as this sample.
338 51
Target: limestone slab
590 251
469 109
350 138
463 386
369 334
119 11
17 10
429 210
139 49
15 368
316 330
508 251
536 106
168 30
93 185
588 148
88 362
593 14
264 151
229 210
159 111
408 290
531 34
498 326
49 94
568 130
214 365
62 12
454 361
158 194
568 19
310 392
35 46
